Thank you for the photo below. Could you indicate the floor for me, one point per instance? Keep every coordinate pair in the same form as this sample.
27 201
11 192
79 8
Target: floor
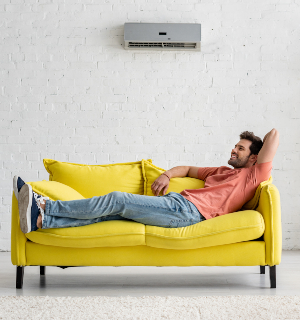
152 281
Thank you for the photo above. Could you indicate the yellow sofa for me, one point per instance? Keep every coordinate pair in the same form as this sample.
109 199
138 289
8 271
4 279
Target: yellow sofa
249 237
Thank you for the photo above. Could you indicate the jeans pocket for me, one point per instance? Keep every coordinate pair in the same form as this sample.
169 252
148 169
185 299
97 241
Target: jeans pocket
174 223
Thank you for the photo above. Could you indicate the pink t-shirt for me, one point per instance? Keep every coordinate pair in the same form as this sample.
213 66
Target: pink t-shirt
226 190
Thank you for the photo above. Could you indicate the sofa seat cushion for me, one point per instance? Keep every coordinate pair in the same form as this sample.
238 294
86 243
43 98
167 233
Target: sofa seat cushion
113 233
230 228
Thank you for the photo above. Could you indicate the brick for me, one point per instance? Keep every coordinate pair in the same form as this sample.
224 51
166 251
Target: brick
82 158
18 8
116 158
5 244
102 158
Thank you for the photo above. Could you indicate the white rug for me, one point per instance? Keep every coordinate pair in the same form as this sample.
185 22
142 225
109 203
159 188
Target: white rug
151 307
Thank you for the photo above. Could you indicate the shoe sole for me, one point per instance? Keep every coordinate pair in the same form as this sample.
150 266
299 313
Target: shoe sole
24 204
15 186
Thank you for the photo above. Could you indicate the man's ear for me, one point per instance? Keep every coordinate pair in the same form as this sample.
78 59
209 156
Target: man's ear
253 158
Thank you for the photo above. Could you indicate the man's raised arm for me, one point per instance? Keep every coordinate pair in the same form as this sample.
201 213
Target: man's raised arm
269 148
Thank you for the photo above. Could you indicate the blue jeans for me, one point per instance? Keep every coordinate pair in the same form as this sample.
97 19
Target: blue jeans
169 211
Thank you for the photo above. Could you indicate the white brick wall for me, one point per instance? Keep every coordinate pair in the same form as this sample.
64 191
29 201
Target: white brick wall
69 91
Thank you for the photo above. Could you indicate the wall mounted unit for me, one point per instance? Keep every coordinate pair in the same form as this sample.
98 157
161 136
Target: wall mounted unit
162 36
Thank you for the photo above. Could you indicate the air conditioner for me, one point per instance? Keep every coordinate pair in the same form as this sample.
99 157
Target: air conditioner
162 36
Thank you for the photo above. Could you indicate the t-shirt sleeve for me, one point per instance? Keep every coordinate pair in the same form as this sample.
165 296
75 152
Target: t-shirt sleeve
205 172
262 171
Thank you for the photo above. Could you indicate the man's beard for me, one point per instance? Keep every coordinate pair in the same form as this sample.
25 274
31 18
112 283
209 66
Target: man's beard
238 163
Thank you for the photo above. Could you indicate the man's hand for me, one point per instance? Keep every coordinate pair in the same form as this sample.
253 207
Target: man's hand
161 183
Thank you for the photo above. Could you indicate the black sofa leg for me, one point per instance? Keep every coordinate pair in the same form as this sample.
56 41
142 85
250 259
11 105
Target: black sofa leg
19 277
273 276
42 270
262 269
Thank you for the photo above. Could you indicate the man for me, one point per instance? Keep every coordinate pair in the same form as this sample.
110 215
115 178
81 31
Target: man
226 190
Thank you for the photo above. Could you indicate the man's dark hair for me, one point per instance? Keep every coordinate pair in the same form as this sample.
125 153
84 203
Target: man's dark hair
256 141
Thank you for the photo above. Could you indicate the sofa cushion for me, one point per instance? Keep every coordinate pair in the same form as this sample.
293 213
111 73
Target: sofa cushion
55 190
114 233
152 172
97 180
229 228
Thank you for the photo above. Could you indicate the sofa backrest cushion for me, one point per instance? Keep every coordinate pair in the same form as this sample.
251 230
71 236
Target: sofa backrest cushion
152 172
97 180
253 203
55 190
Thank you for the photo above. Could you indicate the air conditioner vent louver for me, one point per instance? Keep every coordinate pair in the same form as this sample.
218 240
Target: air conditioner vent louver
162 36
161 45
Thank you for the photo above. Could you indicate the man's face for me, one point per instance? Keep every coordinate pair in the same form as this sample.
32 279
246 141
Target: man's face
240 155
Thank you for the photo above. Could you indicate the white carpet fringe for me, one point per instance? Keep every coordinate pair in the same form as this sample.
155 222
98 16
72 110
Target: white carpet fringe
151 307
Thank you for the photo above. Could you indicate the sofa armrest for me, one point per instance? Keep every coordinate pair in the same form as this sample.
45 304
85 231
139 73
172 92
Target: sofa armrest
51 189
18 239
269 207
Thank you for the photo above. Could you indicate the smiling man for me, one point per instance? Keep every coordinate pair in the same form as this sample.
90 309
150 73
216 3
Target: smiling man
226 190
